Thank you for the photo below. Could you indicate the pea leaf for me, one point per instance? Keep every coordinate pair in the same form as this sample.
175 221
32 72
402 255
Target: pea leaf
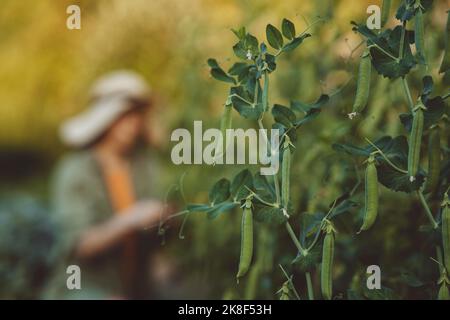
240 99
238 186
270 60
388 42
408 9
220 192
379 294
241 70
434 112
218 74
283 115
274 37
240 33
295 42
311 110
288 29
268 214
310 261
264 188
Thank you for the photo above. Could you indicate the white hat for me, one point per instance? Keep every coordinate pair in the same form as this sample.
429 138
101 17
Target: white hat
111 96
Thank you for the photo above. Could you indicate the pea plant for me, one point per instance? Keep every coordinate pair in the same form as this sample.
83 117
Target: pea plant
394 162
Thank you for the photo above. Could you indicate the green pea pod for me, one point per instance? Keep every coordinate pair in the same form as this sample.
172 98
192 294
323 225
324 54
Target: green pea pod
253 281
446 230
419 36
363 84
285 172
434 160
415 141
246 240
385 11
443 292
445 65
326 281
371 194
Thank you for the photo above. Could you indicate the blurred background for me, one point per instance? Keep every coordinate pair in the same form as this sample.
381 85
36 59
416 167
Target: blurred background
46 71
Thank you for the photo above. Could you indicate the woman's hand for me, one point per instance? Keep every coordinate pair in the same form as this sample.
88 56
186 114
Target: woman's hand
146 214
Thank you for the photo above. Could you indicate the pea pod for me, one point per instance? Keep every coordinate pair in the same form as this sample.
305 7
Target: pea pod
443 292
419 36
371 194
446 230
445 65
326 272
246 240
415 141
363 84
434 160
385 10
285 172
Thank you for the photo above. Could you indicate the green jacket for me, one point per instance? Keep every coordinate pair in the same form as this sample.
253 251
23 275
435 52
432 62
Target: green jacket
80 200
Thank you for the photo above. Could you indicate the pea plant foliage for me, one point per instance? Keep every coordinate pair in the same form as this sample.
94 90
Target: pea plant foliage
397 163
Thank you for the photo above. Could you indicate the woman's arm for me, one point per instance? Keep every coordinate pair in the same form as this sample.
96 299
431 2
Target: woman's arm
99 238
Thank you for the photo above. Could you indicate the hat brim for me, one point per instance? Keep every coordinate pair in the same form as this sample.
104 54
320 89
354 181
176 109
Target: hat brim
83 129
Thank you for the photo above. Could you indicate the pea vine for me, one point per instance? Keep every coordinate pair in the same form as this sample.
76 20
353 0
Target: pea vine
394 162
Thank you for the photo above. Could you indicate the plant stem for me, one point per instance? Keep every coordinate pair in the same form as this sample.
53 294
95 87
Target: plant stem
290 282
402 41
294 239
427 210
309 286
386 158
408 93
385 52
446 96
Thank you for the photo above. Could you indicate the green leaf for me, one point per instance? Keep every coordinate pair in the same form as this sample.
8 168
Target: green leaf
379 294
220 192
295 43
407 9
283 115
217 72
311 110
240 69
434 112
274 37
264 188
411 279
389 41
269 215
216 210
240 50
238 186
220 75
240 33
310 261
271 63
288 29
213 63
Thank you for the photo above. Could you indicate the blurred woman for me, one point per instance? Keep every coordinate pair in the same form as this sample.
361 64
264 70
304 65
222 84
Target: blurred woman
103 192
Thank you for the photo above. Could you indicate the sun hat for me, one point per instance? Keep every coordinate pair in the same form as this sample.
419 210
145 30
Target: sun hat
110 98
